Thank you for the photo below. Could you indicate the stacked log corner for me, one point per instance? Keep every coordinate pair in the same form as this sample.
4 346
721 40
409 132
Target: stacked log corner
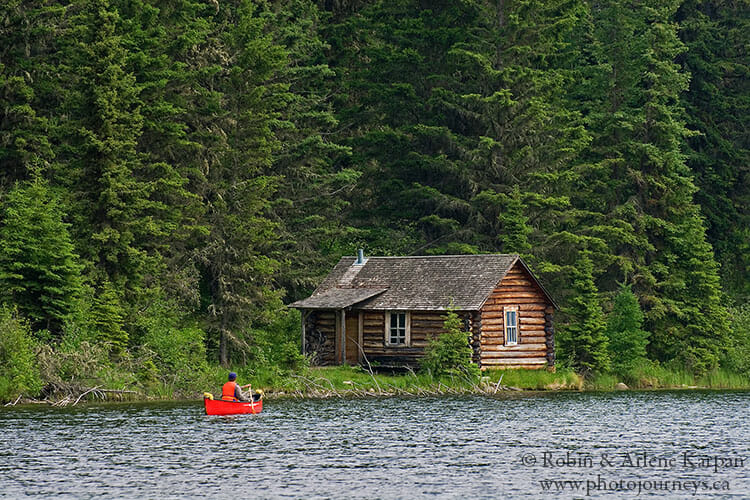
535 343
320 337
549 331
476 338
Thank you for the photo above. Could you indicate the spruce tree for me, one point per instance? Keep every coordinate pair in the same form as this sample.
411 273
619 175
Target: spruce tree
448 118
582 339
393 58
107 319
236 256
514 226
637 180
312 199
716 35
627 339
39 269
159 38
26 45
101 168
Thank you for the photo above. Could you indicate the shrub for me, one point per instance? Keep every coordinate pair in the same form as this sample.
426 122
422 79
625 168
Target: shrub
737 357
277 345
170 352
71 367
450 353
19 372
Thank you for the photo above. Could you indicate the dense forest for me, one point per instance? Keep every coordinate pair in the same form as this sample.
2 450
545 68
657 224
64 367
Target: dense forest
175 171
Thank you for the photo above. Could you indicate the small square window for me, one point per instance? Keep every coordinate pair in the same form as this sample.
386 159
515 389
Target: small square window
397 331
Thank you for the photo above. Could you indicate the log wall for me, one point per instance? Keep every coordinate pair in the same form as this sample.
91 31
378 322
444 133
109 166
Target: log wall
535 347
320 337
424 326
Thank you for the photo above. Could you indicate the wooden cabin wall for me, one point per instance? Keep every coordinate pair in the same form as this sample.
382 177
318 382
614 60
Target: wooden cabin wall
424 325
320 337
535 347
373 338
476 337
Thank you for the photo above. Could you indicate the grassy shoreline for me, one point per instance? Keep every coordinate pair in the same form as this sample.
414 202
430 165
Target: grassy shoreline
346 381
353 381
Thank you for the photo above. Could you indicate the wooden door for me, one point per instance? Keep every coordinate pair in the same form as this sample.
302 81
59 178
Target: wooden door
352 339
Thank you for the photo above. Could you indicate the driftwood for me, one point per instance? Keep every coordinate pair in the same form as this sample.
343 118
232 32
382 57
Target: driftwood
96 391
14 403
497 386
84 393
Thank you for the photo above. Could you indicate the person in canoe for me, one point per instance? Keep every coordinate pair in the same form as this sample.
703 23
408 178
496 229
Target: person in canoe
232 391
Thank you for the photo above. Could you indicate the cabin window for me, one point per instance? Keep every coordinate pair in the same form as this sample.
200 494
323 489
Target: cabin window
397 328
511 325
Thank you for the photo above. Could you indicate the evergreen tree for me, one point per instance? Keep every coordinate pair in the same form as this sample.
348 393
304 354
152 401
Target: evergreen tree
513 225
101 168
159 39
444 114
195 145
636 178
312 198
716 34
393 59
234 130
582 339
627 339
107 319
39 270
25 45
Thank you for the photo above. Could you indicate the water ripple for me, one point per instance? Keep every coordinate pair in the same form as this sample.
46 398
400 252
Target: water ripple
470 447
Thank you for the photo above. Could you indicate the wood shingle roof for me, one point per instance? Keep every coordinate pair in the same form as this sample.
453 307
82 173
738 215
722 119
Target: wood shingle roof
426 283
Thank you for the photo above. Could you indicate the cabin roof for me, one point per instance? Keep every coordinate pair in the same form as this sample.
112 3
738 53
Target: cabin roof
428 283
337 298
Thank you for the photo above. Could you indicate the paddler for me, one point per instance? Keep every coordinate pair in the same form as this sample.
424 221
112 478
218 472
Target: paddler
232 391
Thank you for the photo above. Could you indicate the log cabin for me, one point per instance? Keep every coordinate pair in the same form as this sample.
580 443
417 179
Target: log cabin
385 310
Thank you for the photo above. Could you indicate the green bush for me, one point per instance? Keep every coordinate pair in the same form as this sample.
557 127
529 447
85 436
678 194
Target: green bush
19 372
737 357
76 362
450 353
170 353
277 345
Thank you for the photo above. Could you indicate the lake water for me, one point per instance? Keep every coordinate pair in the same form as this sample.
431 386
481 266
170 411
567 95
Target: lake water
689 444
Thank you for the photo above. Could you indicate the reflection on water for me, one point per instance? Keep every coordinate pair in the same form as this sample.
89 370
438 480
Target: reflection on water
514 446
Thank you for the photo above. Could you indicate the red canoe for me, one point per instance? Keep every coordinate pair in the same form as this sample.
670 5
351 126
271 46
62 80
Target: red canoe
219 407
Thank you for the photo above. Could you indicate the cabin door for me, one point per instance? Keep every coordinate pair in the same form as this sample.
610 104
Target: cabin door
352 339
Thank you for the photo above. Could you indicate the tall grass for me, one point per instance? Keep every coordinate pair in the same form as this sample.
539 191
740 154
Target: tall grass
348 379
564 378
650 375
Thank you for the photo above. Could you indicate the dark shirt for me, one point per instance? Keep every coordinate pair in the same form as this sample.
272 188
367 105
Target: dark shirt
241 396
